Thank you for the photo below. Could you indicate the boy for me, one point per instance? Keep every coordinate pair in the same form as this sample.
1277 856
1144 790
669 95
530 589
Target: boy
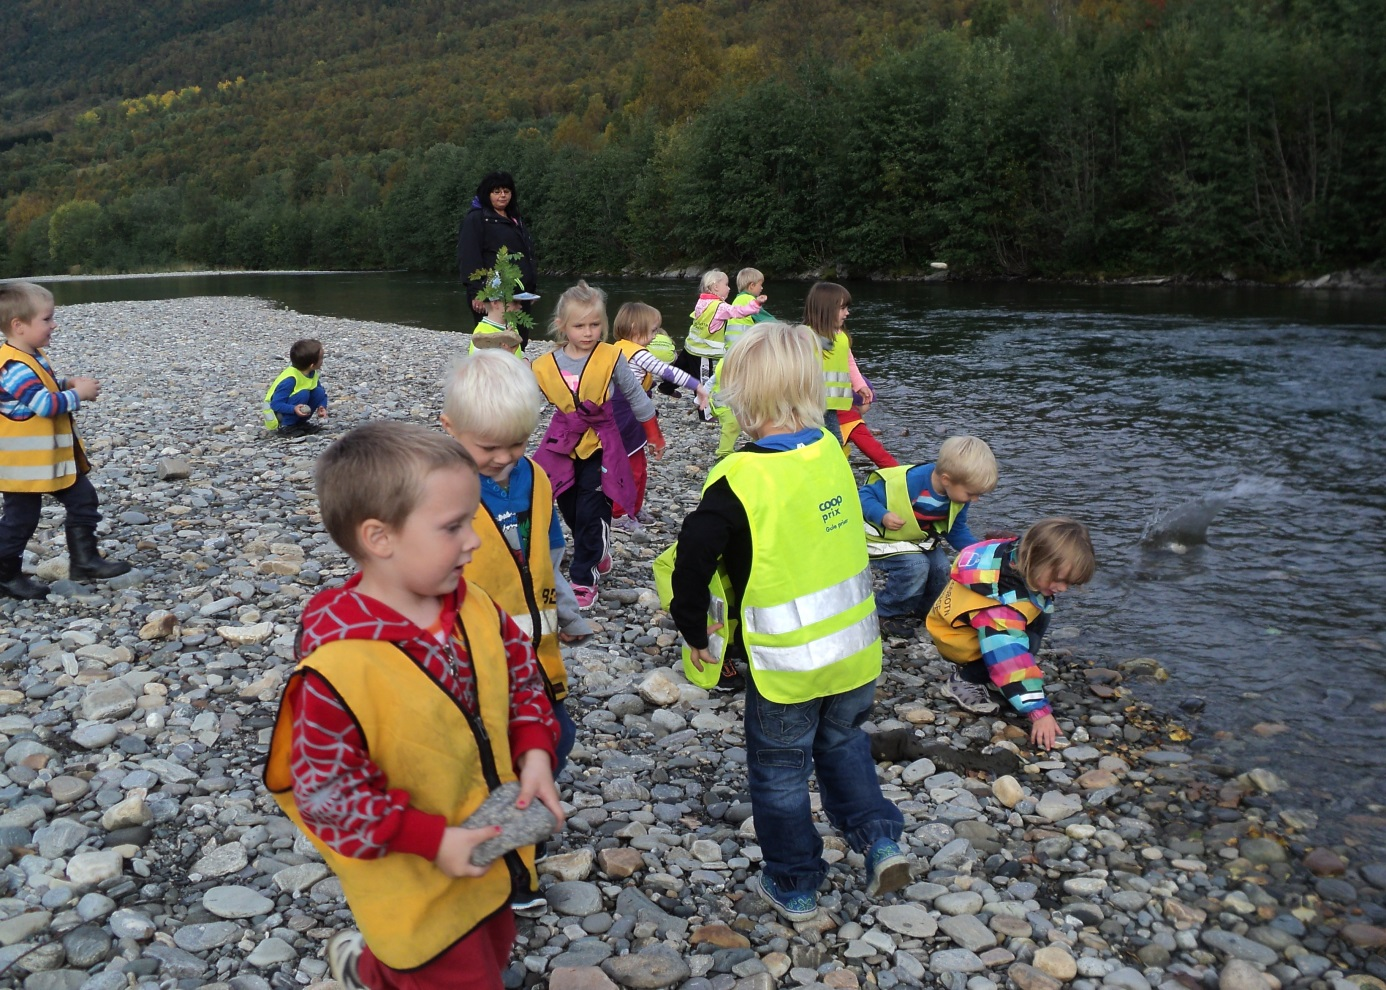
908 510
491 407
749 283
39 449
296 396
414 697
996 609
797 580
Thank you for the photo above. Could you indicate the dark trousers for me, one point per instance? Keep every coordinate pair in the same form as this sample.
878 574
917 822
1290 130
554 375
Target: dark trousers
21 516
587 511
977 672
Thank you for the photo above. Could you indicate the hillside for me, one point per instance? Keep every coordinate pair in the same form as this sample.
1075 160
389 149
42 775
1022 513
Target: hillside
1018 137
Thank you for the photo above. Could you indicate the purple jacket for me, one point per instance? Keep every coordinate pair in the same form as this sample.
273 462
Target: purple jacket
565 432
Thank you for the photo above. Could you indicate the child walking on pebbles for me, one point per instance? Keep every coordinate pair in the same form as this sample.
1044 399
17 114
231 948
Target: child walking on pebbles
782 520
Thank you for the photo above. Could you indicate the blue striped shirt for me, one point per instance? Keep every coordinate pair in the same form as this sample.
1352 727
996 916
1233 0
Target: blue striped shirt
23 395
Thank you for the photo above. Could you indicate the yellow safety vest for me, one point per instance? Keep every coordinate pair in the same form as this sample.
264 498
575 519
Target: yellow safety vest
738 325
701 340
719 594
837 380
808 617
41 453
409 911
630 349
302 383
949 626
900 501
527 591
662 346
488 335
594 384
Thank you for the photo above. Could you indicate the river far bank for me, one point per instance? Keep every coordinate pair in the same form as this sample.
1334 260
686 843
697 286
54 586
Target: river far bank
139 847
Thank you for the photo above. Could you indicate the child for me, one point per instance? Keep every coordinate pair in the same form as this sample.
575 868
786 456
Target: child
584 449
852 422
780 518
503 321
749 283
415 696
705 342
908 510
39 449
636 325
996 608
825 310
297 395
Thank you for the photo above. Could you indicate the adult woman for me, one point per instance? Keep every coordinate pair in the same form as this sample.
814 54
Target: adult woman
493 222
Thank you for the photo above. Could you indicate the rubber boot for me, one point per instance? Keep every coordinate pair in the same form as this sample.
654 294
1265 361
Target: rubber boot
85 561
16 584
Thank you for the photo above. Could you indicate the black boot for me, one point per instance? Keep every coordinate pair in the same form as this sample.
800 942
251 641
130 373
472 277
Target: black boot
85 561
16 584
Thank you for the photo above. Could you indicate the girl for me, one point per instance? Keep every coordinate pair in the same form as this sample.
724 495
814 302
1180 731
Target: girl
635 327
584 448
825 310
706 342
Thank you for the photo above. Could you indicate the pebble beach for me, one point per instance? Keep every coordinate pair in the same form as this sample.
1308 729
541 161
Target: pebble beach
138 846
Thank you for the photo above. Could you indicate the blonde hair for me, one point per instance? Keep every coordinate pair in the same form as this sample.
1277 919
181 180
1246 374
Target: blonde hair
821 306
1056 546
711 277
492 394
636 318
580 298
774 377
969 462
377 471
748 276
21 301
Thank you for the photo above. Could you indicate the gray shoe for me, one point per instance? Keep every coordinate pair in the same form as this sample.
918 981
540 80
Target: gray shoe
974 698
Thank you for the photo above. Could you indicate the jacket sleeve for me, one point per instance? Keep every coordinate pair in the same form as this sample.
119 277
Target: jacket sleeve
646 361
1001 631
282 401
706 532
726 311
960 535
873 501
22 385
469 245
625 380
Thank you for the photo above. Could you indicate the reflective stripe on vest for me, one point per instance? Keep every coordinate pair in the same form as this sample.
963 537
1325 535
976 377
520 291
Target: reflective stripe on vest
738 325
42 453
302 383
810 626
900 501
594 383
837 381
701 340
548 622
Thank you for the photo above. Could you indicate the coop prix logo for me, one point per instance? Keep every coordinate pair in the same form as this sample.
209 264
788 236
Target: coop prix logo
831 510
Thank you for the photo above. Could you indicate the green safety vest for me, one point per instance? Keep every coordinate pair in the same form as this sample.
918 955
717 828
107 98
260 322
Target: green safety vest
661 345
836 378
302 383
738 325
901 502
485 327
717 611
700 340
808 617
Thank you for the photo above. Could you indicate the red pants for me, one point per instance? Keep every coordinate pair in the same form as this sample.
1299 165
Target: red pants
639 470
475 963
864 439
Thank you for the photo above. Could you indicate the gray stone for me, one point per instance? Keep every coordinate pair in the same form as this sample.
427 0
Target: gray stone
1239 974
955 961
107 700
632 903
23 926
519 827
172 469
86 945
60 837
222 861
968 932
574 898
295 878
236 902
271 952
958 855
211 935
1056 806
1126 978
907 919
959 902
93 867
649 969
174 963
54 979
129 923
1239 947
93 906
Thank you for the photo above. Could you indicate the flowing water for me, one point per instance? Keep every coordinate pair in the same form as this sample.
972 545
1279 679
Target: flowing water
1227 447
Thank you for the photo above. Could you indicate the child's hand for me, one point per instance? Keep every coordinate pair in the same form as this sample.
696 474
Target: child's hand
865 406
761 298
455 852
702 657
891 521
864 396
87 389
322 412
1043 732
302 410
536 781
701 396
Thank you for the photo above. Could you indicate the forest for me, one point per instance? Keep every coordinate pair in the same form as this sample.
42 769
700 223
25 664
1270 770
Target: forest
1049 138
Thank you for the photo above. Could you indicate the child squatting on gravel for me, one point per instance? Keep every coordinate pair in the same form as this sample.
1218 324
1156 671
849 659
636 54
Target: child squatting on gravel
780 521
415 696
40 453
297 395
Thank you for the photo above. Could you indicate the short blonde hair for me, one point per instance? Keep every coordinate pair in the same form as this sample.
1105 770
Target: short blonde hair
580 298
636 317
1056 546
711 277
774 377
969 462
21 301
748 276
377 471
493 394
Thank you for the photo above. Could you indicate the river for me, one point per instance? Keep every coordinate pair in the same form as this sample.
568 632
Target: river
1227 447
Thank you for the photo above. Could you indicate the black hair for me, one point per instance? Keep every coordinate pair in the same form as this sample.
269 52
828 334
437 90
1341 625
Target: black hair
494 181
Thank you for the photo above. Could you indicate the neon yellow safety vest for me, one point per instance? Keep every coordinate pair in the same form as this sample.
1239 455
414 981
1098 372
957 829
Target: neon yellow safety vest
899 501
836 380
701 340
661 345
717 611
808 617
738 325
302 383
41 453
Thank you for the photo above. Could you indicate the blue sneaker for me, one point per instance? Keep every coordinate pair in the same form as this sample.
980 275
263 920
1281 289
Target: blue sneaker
887 866
790 906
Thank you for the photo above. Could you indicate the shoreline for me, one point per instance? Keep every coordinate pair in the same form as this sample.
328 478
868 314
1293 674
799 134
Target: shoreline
134 717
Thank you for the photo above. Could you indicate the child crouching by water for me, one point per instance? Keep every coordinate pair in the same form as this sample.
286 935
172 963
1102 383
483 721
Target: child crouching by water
781 521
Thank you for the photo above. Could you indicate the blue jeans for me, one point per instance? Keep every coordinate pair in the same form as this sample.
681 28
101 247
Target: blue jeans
567 734
784 744
913 582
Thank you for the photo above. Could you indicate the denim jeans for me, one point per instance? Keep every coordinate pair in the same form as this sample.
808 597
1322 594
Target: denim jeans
784 744
913 581
22 510
976 672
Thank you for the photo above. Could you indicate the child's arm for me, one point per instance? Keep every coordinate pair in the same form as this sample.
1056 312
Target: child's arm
317 399
1001 632
533 728
858 381
284 401
23 386
873 503
703 539
726 311
960 535
646 361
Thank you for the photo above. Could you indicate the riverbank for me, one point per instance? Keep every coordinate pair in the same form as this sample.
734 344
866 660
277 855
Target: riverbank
134 718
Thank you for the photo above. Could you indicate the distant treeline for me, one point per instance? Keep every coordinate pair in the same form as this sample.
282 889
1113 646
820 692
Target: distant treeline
1205 136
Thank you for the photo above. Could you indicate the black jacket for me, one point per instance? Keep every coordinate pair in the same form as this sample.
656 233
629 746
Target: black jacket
482 234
